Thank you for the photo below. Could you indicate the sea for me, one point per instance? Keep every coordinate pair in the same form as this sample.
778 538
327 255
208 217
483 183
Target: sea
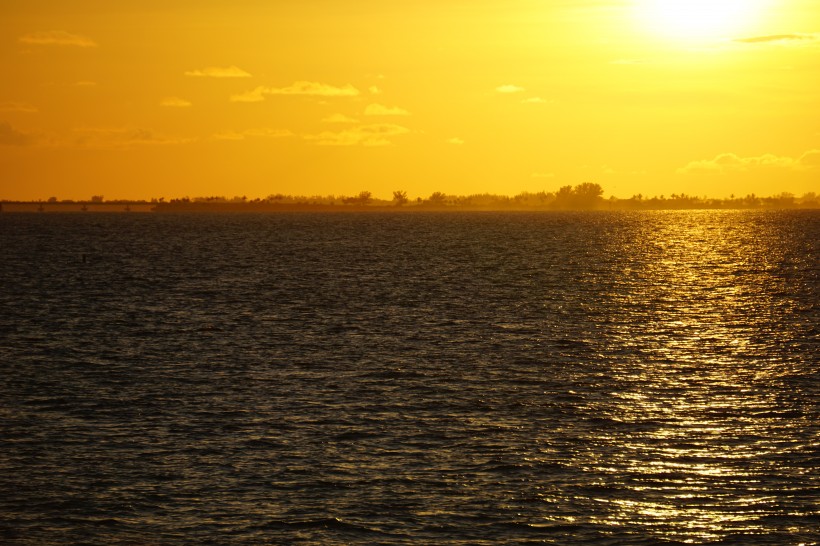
447 378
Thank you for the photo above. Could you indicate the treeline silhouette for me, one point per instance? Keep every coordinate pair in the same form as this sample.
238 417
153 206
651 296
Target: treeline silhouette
585 196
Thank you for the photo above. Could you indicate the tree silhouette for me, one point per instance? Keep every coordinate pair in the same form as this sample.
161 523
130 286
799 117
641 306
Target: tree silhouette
589 191
437 198
362 199
587 195
563 197
400 197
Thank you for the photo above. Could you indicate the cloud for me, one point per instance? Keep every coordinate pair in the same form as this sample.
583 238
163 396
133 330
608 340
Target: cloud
374 90
776 38
125 138
455 141
263 132
300 88
314 89
17 107
85 83
229 135
732 163
88 138
364 135
811 159
175 102
257 95
381 110
268 133
9 136
509 89
339 118
218 72
58 38
534 100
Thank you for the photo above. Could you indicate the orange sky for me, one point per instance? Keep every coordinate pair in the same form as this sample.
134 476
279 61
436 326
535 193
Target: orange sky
168 98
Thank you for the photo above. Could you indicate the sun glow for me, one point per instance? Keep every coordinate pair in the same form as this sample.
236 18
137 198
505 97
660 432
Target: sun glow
699 19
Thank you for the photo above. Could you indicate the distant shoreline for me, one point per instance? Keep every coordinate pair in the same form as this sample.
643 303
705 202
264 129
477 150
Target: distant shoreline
79 207
585 196
267 207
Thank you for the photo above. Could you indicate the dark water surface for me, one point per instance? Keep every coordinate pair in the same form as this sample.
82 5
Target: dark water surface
475 378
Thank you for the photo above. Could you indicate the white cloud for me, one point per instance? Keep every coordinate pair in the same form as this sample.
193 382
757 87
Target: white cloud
364 135
381 110
778 38
175 102
455 141
339 118
509 89
58 38
314 89
218 72
729 162
17 107
302 88
534 100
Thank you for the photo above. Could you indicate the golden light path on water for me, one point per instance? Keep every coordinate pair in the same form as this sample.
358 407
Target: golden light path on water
693 433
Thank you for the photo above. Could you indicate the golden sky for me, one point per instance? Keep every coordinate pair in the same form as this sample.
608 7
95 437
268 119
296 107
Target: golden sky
168 98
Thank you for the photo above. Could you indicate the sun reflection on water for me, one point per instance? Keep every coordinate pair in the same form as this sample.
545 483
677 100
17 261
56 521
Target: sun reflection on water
698 427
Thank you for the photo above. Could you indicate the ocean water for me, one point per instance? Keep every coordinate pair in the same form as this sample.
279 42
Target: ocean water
416 378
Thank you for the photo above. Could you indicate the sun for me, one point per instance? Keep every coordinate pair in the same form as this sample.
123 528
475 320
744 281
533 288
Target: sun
698 19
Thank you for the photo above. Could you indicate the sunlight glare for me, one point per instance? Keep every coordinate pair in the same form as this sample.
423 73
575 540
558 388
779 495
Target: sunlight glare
698 19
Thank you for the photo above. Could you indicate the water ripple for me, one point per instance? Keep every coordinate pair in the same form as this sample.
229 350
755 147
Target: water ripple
583 378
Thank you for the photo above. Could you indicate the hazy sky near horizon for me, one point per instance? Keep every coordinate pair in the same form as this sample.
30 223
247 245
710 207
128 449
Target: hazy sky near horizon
168 98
